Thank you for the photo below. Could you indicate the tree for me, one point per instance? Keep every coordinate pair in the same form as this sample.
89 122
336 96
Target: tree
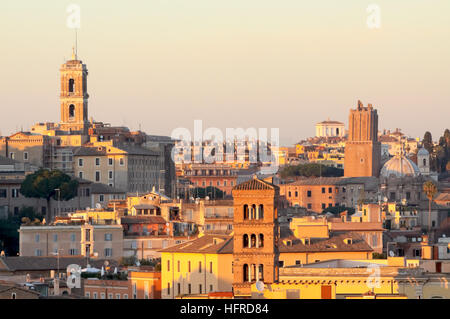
44 184
430 190
311 170
211 191
9 236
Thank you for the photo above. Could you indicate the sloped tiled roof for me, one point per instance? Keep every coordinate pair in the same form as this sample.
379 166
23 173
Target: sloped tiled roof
335 243
255 184
208 244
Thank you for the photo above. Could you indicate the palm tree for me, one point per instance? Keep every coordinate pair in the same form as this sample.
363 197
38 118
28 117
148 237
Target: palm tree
430 190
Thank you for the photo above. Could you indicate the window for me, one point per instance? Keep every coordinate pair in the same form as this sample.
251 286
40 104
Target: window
108 252
110 296
80 174
309 206
25 156
108 237
15 192
117 296
309 193
88 294
13 295
102 198
97 161
210 288
178 266
323 205
200 266
97 176
71 85
110 174
110 161
95 295
210 267
36 238
179 288
168 288
38 252
3 193
330 190
125 296
189 289
121 162
73 252
102 295
323 190
12 155
168 265
200 288
72 237
55 237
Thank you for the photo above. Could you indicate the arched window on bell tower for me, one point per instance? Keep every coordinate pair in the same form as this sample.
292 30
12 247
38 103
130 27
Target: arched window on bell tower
71 86
245 273
71 111
245 211
245 242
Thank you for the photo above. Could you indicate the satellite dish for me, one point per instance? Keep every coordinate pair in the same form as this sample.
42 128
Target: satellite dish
259 286
391 253
98 206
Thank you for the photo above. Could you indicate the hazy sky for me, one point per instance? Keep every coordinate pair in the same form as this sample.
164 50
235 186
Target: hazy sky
288 64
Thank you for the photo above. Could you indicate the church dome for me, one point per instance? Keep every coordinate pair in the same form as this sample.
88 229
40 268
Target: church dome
423 151
400 166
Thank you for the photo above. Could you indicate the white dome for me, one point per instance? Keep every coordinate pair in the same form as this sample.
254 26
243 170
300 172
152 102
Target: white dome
423 151
400 166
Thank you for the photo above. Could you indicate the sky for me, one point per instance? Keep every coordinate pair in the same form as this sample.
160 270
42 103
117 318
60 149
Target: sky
161 64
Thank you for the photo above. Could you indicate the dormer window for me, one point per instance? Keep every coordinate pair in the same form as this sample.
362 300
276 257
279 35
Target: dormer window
348 241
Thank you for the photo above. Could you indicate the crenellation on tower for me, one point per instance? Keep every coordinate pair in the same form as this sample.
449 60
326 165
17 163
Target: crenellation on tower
362 150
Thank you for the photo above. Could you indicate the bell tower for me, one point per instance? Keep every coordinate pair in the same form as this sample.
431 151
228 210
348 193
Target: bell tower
255 252
74 96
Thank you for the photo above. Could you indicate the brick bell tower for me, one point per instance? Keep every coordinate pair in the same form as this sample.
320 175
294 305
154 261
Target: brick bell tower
74 96
362 149
255 254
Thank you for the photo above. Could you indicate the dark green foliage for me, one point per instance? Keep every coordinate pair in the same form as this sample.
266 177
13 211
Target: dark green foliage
9 236
311 170
440 153
43 184
379 256
336 210
211 191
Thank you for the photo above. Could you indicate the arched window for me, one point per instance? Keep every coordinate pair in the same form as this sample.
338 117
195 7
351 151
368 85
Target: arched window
261 240
71 85
253 212
245 273
261 211
261 272
245 241
245 211
253 241
72 110
424 162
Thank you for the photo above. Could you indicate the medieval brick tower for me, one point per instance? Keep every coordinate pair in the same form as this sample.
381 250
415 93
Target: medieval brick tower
362 150
74 96
255 254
